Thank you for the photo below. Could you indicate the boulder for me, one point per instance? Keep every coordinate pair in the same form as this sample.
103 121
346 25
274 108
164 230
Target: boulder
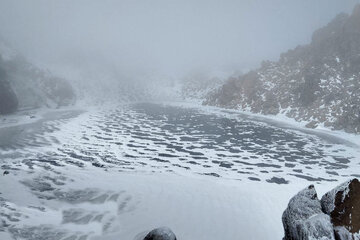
304 219
343 205
162 233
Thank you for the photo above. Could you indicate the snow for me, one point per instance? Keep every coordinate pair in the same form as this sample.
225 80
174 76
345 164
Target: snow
29 116
133 198
194 208
319 227
343 233
328 200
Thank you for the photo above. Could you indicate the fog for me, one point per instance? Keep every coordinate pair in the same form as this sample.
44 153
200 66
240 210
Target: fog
118 117
160 37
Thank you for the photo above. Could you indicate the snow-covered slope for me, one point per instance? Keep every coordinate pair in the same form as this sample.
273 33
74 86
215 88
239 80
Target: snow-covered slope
8 99
318 83
31 87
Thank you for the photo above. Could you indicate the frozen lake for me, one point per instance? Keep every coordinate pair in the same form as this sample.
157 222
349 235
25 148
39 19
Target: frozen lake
114 172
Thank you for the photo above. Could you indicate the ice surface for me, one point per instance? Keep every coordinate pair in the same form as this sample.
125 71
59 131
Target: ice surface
115 172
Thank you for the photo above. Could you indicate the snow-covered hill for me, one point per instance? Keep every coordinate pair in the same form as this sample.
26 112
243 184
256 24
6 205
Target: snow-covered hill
318 83
24 86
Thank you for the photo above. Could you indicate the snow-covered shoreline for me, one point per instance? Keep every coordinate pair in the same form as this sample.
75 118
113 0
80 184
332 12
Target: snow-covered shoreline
275 119
29 116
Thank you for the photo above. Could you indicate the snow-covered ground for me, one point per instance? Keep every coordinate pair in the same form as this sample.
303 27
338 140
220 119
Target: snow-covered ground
118 171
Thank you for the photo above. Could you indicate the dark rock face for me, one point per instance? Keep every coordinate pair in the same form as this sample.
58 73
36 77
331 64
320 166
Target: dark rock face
336 216
8 100
162 233
303 218
343 206
318 82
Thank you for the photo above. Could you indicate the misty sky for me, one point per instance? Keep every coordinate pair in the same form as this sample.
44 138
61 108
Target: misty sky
165 36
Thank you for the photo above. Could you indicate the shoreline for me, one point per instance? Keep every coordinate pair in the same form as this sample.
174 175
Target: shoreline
28 116
278 121
28 128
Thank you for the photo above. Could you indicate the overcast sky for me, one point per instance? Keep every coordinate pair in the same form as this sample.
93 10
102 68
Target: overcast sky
165 36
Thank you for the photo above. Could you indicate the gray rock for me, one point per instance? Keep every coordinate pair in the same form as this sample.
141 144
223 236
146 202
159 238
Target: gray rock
303 218
341 233
162 233
343 205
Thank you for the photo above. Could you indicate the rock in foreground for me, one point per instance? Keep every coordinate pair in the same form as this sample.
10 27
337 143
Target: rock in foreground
303 218
162 233
336 216
343 205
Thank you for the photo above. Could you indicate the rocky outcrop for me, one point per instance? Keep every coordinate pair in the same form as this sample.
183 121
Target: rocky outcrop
318 83
336 216
36 87
162 233
8 100
23 85
303 218
343 206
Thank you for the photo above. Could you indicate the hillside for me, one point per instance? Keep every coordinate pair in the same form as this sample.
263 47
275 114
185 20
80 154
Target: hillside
24 86
318 83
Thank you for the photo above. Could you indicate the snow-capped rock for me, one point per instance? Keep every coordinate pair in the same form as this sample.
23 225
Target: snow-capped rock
343 205
303 218
341 233
336 216
162 233
317 83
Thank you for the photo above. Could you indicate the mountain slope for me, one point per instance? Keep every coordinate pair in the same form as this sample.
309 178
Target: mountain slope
23 85
318 83
8 99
